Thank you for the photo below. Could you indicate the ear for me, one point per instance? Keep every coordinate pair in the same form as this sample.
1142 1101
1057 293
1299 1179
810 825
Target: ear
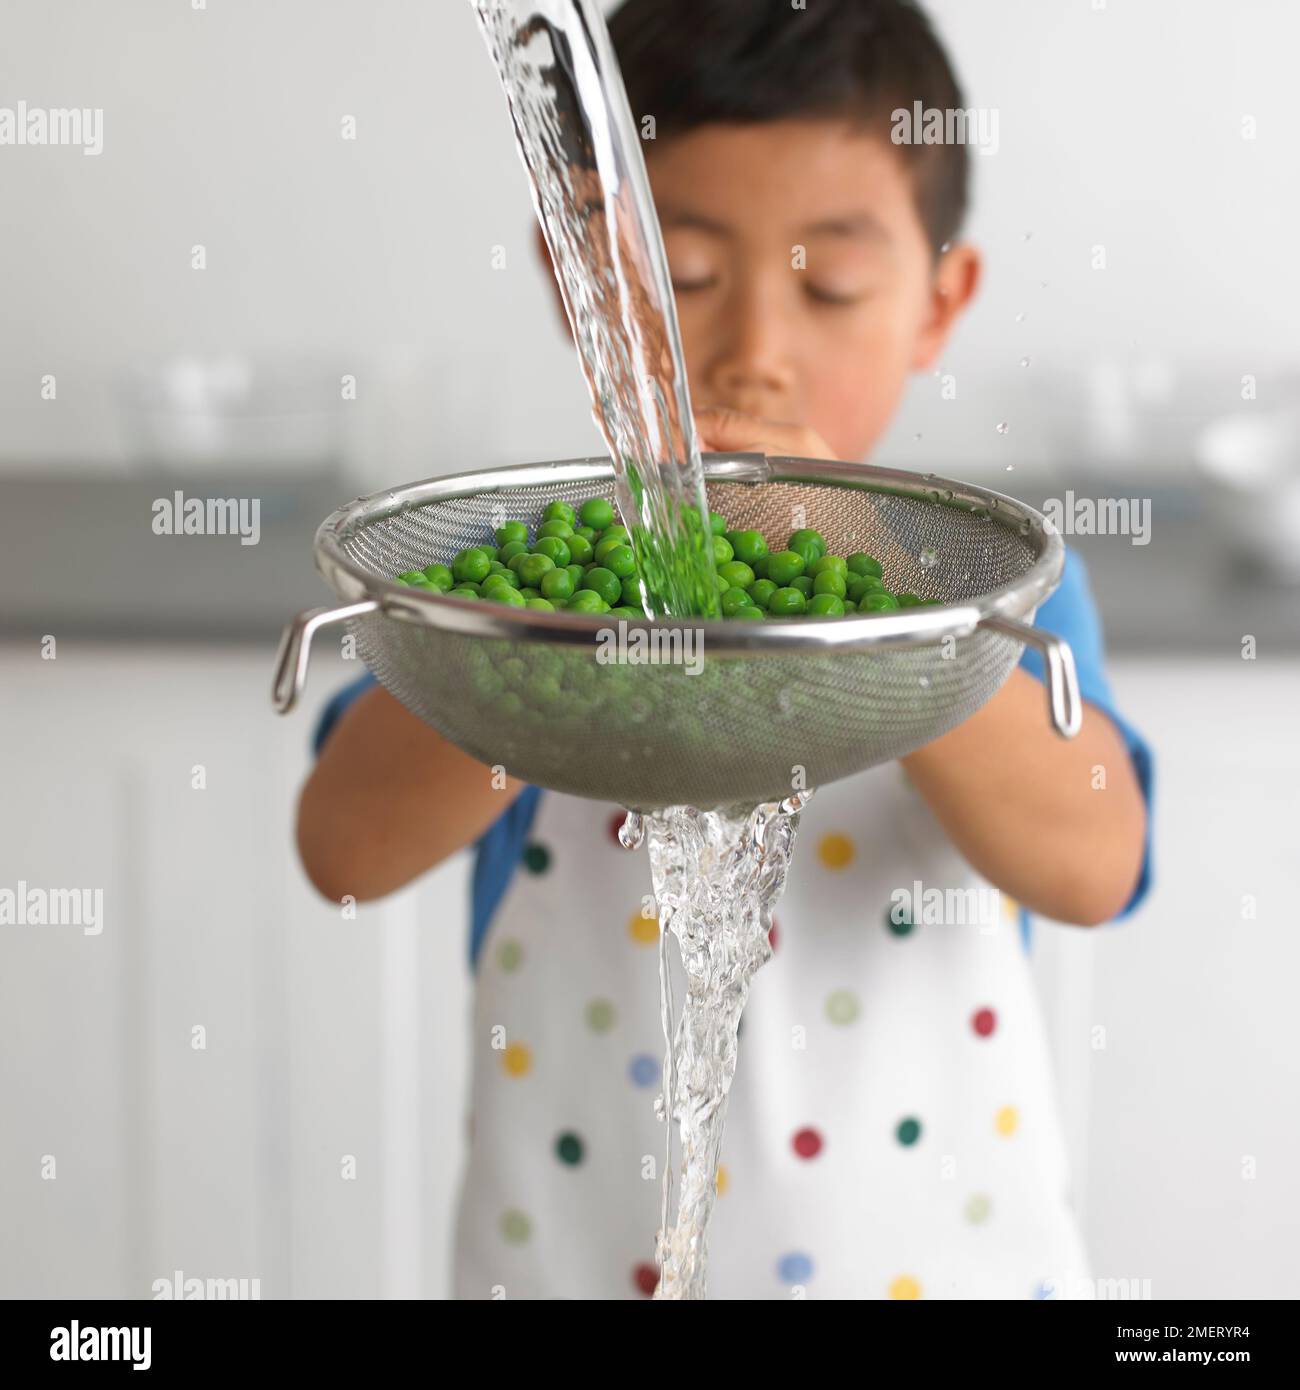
548 265
956 280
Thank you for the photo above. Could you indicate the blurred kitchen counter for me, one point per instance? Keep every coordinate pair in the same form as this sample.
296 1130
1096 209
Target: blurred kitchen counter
79 557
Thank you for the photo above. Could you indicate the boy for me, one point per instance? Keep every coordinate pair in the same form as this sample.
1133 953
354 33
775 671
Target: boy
891 1129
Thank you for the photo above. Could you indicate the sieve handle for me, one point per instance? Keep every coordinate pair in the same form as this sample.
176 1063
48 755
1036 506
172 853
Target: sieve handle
295 649
1063 699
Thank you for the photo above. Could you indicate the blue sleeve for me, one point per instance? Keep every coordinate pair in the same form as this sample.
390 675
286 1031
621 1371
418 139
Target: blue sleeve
497 851
1070 613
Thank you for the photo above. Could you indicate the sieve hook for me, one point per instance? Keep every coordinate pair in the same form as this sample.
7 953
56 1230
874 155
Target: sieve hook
295 649
1063 699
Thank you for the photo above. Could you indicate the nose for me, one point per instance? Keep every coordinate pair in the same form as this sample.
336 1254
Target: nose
752 367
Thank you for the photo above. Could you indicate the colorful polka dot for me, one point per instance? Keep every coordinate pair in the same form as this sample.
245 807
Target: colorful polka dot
807 1143
600 1015
516 1227
835 850
842 1006
537 858
723 1180
905 1286
984 1022
646 1279
1007 1120
794 1268
643 930
569 1149
645 1070
908 1131
898 920
977 1208
510 956
517 1060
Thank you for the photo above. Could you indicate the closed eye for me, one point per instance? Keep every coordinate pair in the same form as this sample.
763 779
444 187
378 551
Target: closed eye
821 296
686 286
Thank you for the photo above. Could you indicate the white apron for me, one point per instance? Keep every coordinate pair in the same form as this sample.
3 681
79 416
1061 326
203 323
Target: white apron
891 1130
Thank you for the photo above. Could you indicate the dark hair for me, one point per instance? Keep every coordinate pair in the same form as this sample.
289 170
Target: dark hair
690 63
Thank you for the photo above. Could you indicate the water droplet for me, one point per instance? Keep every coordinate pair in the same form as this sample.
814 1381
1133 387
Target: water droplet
917 437
947 246
661 1110
927 559
924 682
1020 318
632 831
1011 468
1003 427
1024 361
1029 236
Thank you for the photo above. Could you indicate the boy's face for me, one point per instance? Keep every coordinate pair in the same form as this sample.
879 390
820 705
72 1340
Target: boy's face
824 338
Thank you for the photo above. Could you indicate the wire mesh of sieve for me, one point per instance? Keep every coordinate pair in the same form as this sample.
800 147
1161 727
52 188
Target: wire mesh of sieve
699 713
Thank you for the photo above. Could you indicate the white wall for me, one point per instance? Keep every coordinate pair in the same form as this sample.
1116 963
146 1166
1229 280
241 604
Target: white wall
1119 126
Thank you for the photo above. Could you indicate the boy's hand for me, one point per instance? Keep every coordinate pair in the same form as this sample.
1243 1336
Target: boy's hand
723 431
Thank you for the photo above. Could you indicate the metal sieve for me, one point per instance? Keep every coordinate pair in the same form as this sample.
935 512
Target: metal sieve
658 712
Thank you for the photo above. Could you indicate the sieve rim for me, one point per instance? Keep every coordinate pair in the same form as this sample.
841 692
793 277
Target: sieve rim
722 637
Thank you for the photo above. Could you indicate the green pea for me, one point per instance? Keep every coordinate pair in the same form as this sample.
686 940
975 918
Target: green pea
588 533
530 568
862 585
734 599
464 591
760 564
786 603
541 604
509 706
784 566
604 583
488 683
837 563
597 512
503 593
488 549
510 550
908 600
562 529
623 612
424 586
862 563
808 543
830 582
575 572
618 530
410 577
605 544
560 511
631 595
761 590
581 551
495 582
749 612
722 551
471 565
878 601
717 523
584 601
737 574
511 531
530 592
827 606
555 549
622 561
509 574
557 585
439 576
724 584
804 583
748 545
514 669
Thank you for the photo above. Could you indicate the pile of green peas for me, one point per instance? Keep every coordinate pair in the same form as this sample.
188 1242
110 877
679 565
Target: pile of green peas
582 560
